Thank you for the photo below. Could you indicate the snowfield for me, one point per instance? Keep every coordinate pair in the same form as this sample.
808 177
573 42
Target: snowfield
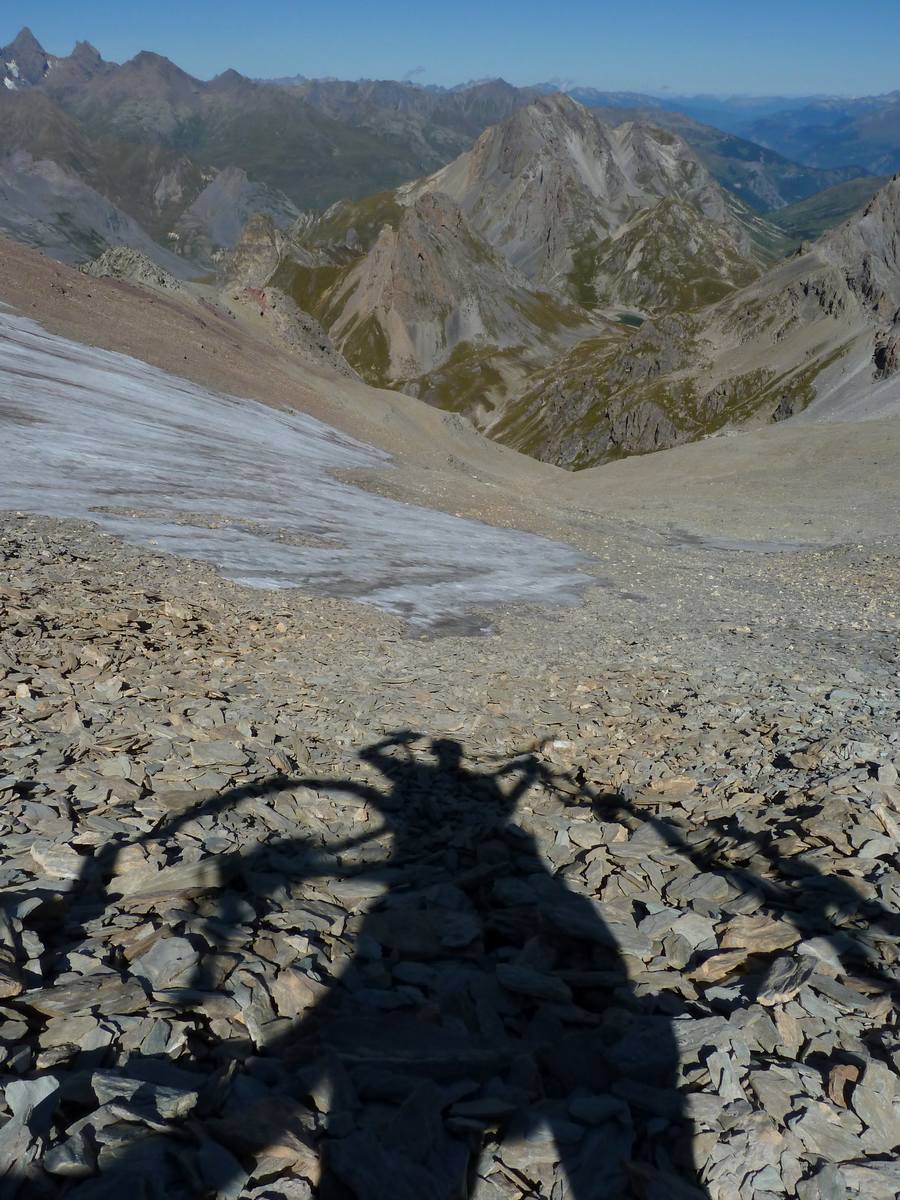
99 436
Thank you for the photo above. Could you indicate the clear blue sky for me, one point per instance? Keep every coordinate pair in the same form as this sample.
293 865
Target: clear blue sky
761 46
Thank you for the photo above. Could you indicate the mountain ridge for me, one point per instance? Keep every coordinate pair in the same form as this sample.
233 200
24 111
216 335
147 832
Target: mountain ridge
421 128
554 212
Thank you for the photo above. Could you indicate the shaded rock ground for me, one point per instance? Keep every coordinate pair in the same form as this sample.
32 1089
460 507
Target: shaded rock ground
296 904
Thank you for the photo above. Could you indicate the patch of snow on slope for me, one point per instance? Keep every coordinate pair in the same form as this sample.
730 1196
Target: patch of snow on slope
98 436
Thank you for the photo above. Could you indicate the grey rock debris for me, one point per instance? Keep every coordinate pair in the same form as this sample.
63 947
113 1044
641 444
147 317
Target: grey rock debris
295 901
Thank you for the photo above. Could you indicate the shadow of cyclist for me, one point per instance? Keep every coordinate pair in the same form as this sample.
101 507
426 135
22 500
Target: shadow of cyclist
500 1013
483 1021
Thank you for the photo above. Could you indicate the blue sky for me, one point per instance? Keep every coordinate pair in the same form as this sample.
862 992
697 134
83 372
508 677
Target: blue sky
762 47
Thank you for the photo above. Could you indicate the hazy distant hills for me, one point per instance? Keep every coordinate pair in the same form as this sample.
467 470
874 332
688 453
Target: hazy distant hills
823 132
808 219
828 132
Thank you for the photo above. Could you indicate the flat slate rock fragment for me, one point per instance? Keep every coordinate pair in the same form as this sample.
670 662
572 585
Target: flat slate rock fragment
170 962
784 979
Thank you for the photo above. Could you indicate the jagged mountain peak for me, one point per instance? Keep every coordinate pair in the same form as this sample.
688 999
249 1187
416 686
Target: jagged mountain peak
86 54
26 43
24 62
545 119
231 80
149 60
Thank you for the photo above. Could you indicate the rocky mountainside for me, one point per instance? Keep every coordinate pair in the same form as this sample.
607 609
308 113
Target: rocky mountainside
762 178
666 258
149 138
551 186
273 134
439 120
436 124
24 63
868 250
73 190
115 150
819 334
212 223
50 207
420 301
460 286
831 315
316 141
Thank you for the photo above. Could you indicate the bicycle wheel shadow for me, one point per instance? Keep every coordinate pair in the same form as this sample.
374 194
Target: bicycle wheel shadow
482 1037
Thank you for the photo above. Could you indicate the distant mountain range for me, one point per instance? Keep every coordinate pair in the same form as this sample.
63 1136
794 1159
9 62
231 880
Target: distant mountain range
498 287
146 139
583 278
824 133
523 245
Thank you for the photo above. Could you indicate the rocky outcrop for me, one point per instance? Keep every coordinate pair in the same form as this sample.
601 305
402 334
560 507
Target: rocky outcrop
867 248
256 256
303 335
886 356
122 262
213 223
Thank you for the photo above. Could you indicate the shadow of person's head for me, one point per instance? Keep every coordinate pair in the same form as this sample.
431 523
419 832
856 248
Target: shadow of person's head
449 755
432 783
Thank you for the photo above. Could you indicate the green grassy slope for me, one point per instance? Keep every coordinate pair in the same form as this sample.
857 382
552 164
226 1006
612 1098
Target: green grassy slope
809 219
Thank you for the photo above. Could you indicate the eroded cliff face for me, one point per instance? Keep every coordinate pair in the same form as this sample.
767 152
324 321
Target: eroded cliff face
432 284
409 290
867 248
